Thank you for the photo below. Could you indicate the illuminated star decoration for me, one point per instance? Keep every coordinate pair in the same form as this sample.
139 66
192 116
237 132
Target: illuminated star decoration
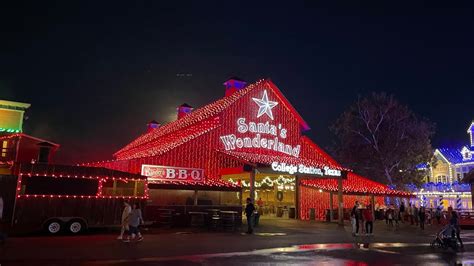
265 106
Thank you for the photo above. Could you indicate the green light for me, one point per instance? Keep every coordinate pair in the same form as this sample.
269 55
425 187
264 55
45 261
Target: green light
9 130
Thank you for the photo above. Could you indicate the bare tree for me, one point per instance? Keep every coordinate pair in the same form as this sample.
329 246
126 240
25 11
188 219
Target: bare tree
384 140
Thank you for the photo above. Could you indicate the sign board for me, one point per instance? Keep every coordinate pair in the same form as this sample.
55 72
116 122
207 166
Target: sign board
159 172
303 170
269 135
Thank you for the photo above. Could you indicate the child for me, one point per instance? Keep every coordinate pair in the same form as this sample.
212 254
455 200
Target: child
390 217
134 221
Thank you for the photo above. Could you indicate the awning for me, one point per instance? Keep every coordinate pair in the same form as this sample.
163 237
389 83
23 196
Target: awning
72 171
209 185
267 159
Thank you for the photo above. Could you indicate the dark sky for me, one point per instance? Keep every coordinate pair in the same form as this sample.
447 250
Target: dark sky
96 73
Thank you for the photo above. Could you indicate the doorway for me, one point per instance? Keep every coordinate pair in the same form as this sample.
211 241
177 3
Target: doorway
275 194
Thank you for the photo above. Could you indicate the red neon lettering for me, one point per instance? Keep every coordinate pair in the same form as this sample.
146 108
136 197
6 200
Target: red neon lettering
196 175
182 174
170 173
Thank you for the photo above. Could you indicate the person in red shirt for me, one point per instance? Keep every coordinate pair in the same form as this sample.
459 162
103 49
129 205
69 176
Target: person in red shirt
369 219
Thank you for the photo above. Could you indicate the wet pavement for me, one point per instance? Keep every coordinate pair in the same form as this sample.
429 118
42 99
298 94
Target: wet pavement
319 254
275 242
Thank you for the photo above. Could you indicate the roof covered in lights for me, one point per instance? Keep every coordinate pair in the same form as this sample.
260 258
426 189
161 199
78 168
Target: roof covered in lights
72 171
190 185
354 184
201 115
454 155
268 159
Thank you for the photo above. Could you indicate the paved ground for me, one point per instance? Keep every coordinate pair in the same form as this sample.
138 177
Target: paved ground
275 242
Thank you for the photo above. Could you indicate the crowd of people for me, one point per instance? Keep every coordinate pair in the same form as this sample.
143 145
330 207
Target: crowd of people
362 218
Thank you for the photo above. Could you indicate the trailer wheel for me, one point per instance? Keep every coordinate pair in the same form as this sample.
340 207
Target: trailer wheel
75 227
53 227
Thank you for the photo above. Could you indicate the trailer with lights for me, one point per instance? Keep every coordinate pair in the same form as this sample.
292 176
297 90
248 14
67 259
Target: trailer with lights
71 199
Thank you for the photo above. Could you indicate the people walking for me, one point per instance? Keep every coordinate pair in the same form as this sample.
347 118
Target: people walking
355 219
410 213
416 215
455 223
249 210
422 216
390 214
438 215
134 221
127 209
429 215
396 217
368 216
402 212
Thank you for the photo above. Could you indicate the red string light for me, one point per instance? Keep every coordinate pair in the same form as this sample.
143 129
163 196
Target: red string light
194 141
311 198
33 171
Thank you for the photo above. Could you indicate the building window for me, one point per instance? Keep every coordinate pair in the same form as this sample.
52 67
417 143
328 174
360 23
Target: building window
459 176
441 179
4 148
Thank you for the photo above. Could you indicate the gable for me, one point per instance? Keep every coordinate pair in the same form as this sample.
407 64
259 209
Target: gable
440 157
262 121
237 104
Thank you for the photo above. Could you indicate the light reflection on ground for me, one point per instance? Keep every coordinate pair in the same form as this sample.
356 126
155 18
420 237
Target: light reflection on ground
324 254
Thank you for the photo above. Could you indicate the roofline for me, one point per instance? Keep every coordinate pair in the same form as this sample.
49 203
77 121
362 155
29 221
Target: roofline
442 155
319 149
263 82
14 104
300 119
31 137
470 126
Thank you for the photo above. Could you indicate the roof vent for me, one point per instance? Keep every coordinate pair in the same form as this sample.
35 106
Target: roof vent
152 125
234 84
184 109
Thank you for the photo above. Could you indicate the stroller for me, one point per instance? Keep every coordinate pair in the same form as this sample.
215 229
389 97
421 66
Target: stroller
446 238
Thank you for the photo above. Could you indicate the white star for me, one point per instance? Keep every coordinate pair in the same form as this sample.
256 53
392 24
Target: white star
265 106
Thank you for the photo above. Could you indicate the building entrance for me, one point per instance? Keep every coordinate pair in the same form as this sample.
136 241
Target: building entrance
275 195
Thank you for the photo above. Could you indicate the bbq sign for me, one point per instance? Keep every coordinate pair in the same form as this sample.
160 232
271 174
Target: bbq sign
159 172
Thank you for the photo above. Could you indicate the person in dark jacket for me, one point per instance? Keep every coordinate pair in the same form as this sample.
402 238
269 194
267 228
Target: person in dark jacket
422 216
249 210
355 217
402 212
454 221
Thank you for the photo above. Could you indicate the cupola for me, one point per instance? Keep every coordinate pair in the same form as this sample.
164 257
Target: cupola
152 125
234 84
183 110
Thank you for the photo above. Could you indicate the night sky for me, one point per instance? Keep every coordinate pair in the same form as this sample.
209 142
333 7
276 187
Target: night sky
96 73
